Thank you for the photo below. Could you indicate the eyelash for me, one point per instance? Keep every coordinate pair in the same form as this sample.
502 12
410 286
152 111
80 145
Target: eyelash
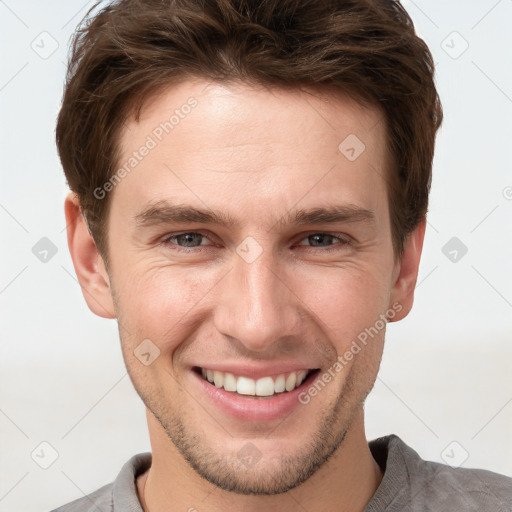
340 237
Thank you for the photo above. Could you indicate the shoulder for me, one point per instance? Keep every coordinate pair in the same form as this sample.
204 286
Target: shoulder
426 485
118 496
98 501
464 488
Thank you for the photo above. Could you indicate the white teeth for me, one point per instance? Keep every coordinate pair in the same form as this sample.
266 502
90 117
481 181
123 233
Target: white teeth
291 381
245 386
265 386
300 377
279 385
218 379
229 382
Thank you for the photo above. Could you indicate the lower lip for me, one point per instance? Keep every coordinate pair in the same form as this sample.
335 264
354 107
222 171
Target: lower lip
252 408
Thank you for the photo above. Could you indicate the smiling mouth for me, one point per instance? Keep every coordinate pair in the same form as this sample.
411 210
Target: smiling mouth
262 387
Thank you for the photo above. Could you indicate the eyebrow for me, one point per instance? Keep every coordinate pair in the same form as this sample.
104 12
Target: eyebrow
164 212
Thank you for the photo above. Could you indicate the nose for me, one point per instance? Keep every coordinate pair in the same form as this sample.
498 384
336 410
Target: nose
255 304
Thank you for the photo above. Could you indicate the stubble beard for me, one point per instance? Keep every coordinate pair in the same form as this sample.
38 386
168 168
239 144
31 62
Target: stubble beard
265 477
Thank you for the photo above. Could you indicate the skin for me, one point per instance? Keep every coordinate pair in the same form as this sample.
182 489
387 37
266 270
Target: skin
257 154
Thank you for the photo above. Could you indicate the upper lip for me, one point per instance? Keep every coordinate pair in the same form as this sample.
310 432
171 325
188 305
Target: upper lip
255 371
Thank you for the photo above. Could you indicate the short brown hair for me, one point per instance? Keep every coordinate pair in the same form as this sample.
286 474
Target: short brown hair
131 49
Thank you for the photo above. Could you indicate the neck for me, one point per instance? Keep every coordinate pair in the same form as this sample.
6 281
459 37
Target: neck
346 482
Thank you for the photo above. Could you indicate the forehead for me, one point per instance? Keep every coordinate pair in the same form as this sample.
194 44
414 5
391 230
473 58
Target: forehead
246 110
263 149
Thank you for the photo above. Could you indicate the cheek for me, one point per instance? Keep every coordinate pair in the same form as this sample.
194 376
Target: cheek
345 300
167 304
156 302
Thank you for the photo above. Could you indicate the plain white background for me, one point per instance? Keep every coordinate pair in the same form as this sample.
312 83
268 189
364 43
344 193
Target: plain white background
445 384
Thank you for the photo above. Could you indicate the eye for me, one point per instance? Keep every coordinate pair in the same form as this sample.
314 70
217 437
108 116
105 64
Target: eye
189 239
328 240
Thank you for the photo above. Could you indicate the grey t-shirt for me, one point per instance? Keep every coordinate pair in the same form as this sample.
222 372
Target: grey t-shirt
409 484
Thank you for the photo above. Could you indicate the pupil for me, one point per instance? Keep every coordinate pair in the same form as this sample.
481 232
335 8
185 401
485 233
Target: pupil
189 238
319 237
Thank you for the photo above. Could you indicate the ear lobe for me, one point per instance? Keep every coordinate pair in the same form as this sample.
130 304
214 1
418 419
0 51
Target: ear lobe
89 265
406 272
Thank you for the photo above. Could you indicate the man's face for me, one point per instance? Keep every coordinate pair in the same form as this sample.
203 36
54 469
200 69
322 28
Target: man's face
263 296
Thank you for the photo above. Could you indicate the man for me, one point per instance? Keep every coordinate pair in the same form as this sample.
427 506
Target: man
249 190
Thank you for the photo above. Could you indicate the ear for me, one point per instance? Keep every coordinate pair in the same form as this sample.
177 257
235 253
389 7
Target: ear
405 272
89 266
